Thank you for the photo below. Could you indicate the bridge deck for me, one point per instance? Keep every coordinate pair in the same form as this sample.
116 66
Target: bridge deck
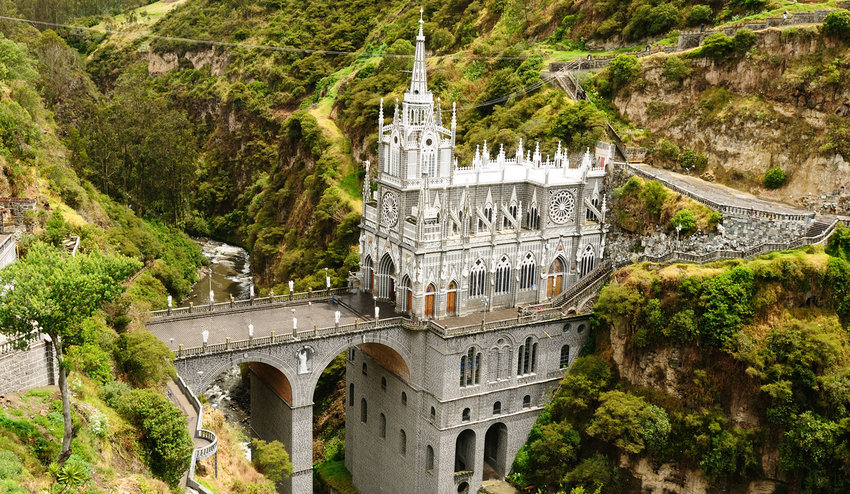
233 324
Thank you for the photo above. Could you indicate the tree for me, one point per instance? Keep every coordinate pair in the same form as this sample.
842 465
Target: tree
623 69
676 70
271 459
552 455
838 24
579 125
629 422
685 220
51 292
699 14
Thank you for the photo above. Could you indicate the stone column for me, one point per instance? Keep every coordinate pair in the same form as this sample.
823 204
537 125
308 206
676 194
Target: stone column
301 451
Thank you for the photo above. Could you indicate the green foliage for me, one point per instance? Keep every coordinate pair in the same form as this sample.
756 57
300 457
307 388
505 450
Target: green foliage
629 422
725 301
580 388
622 70
580 125
667 150
774 178
675 69
718 45
684 220
162 427
653 195
144 359
838 24
271 459
729 452
649 21
72 476
817 447
698 15
552 454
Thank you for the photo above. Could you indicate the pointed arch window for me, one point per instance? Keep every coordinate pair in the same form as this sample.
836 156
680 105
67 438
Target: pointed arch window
527 272
503 275
476 279
590 214
395 156
588 261
470 368
532 217
565 356
527 358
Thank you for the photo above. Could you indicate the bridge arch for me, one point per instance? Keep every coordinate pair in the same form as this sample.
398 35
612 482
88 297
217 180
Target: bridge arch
388 351
236 359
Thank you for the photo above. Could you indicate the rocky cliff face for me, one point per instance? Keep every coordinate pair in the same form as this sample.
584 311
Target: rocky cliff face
785 103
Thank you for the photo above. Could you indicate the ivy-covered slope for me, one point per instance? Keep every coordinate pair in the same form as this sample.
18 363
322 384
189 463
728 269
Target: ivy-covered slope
714 376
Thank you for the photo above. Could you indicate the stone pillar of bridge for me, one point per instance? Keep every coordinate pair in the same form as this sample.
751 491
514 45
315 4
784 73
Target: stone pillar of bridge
273 418
301 453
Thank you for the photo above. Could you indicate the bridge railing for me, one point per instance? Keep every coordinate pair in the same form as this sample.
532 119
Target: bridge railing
198 453
282 300
275 339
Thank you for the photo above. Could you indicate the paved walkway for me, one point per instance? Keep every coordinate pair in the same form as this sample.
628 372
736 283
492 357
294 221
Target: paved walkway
719 193
498 487
180 401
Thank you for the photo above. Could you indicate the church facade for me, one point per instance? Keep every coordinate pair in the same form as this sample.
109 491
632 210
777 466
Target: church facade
444 239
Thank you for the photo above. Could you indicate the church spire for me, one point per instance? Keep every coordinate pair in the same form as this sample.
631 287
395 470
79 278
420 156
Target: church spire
419 80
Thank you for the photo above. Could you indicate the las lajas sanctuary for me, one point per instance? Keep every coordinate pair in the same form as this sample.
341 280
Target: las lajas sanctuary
450 244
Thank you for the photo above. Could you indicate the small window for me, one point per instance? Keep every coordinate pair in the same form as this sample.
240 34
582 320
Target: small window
433 414
403 444
351 395
466 414
365 370
526 401
404 398
363 410
567 327
429 458
497 408
382 427
565 356
383 383
580 328
351 354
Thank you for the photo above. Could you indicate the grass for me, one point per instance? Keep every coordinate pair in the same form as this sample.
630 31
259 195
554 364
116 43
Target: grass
334 474
155 11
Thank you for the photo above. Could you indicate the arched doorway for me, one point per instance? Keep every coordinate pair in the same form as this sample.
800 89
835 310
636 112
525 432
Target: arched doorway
429 300
386 278
556 278
369 274
495 451
465 451
588 261
451 299
408 294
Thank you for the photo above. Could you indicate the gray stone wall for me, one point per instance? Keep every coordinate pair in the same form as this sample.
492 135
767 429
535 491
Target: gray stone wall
32 368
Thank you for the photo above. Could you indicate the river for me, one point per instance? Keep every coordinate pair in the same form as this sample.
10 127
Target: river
231 274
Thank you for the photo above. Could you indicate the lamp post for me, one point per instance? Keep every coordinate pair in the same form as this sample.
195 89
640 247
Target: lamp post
327 281
377 312
250 332
291 288
205 335
171 342
294 324
484 302
169 305
212 296
336 318
200 376
678 229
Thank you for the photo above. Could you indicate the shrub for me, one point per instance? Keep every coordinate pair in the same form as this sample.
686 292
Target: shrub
774 178
718 45
653 195
662 18
164 436
144 359
92 360
675 69
699 14
622 70
667 150
685 219
271 459
838 24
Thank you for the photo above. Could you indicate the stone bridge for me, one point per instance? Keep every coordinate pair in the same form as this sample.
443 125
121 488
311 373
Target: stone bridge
418 361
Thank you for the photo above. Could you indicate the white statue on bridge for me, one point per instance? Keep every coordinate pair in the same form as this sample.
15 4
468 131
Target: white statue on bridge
305 360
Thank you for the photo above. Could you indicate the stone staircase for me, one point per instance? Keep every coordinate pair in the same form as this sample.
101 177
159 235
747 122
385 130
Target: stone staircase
820 225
